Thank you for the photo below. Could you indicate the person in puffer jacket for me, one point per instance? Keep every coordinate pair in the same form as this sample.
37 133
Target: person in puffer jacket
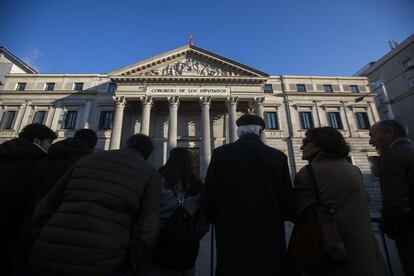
40 180
101 215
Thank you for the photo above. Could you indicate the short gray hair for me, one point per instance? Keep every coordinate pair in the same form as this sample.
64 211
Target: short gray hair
249 129
398 127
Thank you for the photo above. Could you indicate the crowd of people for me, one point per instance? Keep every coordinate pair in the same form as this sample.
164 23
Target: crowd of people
68 210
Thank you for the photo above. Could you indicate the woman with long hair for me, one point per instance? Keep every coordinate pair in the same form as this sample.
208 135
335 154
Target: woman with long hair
180 182
340 187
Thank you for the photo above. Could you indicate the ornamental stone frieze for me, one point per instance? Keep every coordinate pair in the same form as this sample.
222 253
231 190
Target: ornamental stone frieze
190 67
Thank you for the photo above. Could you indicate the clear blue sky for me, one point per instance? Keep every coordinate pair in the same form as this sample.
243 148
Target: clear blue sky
307 37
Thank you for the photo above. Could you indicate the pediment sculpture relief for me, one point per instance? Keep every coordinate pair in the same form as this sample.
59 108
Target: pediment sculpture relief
190 67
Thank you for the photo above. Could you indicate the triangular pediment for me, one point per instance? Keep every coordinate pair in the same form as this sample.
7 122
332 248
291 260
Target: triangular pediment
188 61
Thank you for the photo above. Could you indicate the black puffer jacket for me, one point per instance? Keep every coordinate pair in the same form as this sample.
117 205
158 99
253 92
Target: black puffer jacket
105 207
17 156
40 180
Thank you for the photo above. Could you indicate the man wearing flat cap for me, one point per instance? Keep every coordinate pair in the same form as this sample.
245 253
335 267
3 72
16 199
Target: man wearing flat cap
248 196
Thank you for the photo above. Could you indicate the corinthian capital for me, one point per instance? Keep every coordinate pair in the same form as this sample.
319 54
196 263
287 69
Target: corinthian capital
120 101
173 101
146 100
205 100
232 100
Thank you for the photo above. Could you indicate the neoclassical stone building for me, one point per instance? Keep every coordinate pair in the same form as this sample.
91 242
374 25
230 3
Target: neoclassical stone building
190 97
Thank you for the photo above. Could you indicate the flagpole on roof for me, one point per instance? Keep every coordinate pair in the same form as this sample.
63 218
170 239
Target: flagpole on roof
191 39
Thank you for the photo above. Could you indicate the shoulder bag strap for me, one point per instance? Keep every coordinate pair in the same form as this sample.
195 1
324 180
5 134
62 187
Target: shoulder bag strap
311 173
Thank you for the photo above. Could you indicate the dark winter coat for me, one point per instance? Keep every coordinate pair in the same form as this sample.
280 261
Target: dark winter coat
40 180
341 188
105 212
17 156
247 196
397 184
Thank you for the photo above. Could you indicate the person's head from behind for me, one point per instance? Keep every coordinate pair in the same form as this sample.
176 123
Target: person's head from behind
180 166
39 134
141 143
325 139
384 133
249 124
88 136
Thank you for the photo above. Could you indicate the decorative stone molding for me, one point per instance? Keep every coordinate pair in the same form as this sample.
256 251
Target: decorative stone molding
206 100
173 101
146 100
120 101
190 67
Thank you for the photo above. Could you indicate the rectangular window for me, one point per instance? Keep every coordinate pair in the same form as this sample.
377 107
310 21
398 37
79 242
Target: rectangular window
78 86
268 88
271 119
21 86
327 88
375 165
306 120
50 86
354 88
335 120
105 120
111 87
7 120
411 81
301 87
69 121
39 117
408 63
362 119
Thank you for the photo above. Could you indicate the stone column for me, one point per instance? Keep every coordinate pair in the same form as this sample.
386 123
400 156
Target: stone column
258 111
173 102
146 114
350 119
86 114
26 114
206 142
258 106
117 125
56 116
231 103
49 116
20 113
374 111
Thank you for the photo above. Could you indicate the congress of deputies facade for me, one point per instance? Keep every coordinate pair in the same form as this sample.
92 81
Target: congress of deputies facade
190 97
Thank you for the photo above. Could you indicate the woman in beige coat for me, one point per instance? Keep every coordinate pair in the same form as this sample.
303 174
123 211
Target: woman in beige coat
341 188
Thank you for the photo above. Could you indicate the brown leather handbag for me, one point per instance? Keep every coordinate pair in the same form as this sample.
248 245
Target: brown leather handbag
315 240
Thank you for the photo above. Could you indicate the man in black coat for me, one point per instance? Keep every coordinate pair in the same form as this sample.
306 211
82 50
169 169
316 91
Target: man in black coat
396 151
40 180
17 156
248 196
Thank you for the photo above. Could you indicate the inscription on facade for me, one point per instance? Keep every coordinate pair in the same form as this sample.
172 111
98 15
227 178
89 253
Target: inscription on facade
188 90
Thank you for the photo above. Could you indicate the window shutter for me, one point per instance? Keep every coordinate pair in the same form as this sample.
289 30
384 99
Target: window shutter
309 87
346 88
335 88
292 87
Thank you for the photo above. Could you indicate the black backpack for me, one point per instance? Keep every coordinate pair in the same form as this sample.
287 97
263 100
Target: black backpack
178 242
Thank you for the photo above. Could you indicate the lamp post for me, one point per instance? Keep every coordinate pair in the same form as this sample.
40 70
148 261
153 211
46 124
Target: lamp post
387 102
